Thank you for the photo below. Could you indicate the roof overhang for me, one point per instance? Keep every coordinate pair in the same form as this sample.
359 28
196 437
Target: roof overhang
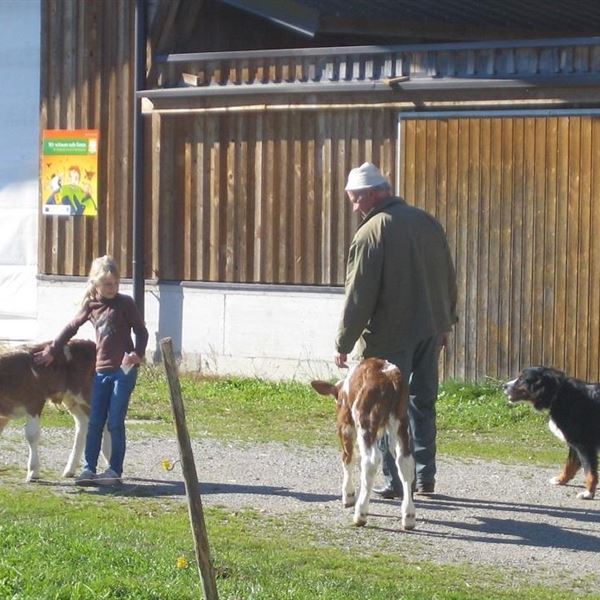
293 15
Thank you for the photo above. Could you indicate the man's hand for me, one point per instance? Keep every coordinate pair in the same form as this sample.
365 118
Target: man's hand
341 360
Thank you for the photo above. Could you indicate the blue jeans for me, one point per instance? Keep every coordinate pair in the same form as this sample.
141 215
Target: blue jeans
110 399
420 364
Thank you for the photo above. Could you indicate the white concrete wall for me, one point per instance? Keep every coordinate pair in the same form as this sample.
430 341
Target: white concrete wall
262 332
19 166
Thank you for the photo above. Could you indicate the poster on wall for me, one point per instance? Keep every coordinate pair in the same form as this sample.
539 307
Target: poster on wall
69 173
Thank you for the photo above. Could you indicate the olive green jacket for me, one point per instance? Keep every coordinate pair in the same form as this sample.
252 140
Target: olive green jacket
400 282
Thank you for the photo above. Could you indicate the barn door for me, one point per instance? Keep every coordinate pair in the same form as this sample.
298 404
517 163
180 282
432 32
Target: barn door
519 200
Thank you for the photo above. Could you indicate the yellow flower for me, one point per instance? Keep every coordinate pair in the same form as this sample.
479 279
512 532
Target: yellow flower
167 465
182 562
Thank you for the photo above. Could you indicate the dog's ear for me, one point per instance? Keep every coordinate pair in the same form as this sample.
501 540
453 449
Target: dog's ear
324 388
547 386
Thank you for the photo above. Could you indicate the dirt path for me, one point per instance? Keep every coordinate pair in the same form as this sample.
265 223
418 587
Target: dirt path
483 513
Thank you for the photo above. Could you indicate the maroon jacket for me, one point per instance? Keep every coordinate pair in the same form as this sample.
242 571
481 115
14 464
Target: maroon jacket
113 320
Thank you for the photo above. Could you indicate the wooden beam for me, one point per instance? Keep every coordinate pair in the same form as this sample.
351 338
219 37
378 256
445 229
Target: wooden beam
192 489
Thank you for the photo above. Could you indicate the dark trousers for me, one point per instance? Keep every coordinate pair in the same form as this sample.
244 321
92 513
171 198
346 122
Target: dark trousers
420 365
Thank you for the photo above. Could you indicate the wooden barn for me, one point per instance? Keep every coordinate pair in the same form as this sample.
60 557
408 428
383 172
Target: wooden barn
221 178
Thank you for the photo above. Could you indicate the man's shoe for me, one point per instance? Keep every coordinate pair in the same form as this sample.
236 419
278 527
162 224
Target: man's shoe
425 488
388 492
109 477
86 478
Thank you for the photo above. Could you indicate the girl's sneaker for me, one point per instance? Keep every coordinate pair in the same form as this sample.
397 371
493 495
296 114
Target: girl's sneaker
86 478
109 477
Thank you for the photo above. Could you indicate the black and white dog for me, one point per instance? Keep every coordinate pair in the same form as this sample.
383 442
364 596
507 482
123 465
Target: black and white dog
574 407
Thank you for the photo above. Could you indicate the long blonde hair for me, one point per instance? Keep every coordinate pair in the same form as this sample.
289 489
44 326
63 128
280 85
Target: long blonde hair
101 267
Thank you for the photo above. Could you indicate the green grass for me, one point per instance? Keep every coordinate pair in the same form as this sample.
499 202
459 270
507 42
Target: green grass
78 546
477 421
474 420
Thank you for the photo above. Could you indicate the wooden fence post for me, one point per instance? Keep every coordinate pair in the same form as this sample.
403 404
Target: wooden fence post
205 567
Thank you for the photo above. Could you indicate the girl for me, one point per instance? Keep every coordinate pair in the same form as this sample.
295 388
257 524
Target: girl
113 315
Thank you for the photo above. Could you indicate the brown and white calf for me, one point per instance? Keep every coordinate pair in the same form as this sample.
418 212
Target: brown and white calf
25 387
372 400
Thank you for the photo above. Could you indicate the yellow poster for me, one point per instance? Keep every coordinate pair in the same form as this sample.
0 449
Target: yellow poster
69 173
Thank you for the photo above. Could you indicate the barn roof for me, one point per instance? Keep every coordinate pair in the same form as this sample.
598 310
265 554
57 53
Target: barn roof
431 19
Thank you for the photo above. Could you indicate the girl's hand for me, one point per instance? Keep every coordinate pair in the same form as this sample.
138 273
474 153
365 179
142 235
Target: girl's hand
43 358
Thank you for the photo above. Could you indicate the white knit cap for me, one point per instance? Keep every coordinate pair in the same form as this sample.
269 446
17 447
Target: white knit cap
365 176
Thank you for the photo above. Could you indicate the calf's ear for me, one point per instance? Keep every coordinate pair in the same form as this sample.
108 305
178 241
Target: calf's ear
324 388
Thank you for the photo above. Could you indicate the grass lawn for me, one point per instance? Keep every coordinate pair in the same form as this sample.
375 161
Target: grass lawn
79 546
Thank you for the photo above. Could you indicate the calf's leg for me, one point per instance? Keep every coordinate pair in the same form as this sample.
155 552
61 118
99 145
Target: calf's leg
347 435
405 463
81 419
370 457
32 434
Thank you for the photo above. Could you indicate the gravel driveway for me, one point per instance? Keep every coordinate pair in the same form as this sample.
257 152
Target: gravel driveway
483 513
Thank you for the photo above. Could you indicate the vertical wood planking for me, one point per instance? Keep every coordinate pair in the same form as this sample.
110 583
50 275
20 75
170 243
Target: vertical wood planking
539 242
472 242
549 256
523 266
593 367
573 231
483 247
562 196
582 321
452 358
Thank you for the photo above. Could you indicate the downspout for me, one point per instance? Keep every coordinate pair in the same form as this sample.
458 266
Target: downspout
139 60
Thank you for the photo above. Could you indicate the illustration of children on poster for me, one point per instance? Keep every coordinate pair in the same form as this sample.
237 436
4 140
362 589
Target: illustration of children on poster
69 172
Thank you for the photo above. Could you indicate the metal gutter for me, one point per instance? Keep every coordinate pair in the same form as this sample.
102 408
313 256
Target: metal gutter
265 88
138 265
416 84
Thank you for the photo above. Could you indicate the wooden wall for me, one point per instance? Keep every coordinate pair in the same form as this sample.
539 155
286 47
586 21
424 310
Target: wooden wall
87 84
518 198
259 196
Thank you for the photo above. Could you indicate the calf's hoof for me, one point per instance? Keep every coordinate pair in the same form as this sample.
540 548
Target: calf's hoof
349 501
586 495
32 477
556 481
360 520
69 473
409 522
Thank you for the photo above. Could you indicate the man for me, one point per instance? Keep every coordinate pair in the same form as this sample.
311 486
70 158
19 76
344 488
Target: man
400 305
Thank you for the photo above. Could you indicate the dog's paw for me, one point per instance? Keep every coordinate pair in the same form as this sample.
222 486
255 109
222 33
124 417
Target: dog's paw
585 495
556 480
